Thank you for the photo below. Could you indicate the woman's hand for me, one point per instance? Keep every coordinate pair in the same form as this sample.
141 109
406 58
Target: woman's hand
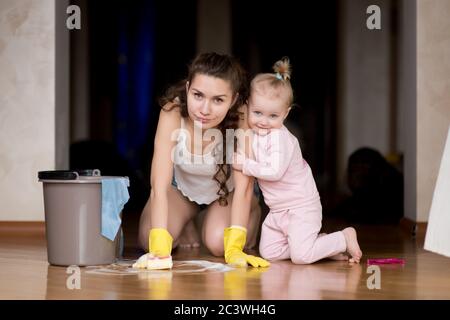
234 240
160 242
160 248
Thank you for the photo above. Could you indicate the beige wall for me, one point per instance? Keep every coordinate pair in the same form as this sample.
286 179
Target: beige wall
433 95
27 105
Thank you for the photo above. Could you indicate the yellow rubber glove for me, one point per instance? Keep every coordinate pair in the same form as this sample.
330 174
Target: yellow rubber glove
234 241
160 242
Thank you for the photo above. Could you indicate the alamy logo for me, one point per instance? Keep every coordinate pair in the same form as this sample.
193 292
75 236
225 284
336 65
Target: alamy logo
374 281
74 20
74 280
374 20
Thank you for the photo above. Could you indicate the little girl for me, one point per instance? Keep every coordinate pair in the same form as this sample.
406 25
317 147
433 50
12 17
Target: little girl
291 229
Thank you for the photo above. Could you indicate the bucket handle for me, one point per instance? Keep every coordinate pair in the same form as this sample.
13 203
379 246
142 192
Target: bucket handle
58 175
67 174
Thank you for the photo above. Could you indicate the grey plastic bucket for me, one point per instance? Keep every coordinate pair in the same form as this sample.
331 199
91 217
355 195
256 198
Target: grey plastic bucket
73 210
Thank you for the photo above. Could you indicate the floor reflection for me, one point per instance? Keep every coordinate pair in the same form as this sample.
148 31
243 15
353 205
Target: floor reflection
286 281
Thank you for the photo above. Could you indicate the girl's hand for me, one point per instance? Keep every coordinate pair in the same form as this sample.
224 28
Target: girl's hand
238 160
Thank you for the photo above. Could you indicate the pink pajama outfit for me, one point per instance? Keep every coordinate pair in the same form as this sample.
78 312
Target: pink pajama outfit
291 228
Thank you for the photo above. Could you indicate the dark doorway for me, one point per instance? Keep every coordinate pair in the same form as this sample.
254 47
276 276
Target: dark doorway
306 32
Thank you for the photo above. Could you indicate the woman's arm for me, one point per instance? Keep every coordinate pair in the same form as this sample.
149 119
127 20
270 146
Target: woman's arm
162 165
242 198
235 236
243 185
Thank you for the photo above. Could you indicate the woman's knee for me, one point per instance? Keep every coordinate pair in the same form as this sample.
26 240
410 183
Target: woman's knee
213 241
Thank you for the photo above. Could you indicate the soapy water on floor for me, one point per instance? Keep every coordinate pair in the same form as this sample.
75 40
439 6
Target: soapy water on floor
124 267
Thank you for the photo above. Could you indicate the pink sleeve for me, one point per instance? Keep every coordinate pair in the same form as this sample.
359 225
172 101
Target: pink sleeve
271 165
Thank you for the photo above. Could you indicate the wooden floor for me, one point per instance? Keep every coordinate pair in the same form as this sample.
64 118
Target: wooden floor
25 274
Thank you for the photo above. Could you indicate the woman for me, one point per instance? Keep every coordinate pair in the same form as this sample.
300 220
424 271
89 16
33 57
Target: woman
188 173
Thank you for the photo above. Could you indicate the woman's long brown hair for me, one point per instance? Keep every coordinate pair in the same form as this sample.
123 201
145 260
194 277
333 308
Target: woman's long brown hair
226 68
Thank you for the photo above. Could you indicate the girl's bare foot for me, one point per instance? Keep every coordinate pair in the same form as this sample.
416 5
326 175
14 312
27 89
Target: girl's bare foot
189 237
337 257
352 244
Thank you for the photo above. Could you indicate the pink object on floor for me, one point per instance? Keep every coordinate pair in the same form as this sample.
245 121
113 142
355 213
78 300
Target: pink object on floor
386 261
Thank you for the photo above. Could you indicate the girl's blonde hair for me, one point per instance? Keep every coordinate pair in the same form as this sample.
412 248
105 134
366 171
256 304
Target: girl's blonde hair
277 84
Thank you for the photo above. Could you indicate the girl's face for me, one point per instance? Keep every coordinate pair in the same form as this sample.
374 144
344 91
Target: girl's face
266 113
208 100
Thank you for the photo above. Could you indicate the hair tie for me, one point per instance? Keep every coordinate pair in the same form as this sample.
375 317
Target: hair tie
279 76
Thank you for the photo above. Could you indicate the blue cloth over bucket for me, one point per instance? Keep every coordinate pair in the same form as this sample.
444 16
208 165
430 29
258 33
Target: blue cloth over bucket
114 197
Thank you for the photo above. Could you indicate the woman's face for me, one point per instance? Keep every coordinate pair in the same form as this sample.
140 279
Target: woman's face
208 100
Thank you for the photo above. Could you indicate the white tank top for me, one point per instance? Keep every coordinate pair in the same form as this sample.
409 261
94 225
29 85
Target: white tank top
194 174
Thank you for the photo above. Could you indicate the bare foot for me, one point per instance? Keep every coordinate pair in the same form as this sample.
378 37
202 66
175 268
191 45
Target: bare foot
337 257
352 245
189 237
